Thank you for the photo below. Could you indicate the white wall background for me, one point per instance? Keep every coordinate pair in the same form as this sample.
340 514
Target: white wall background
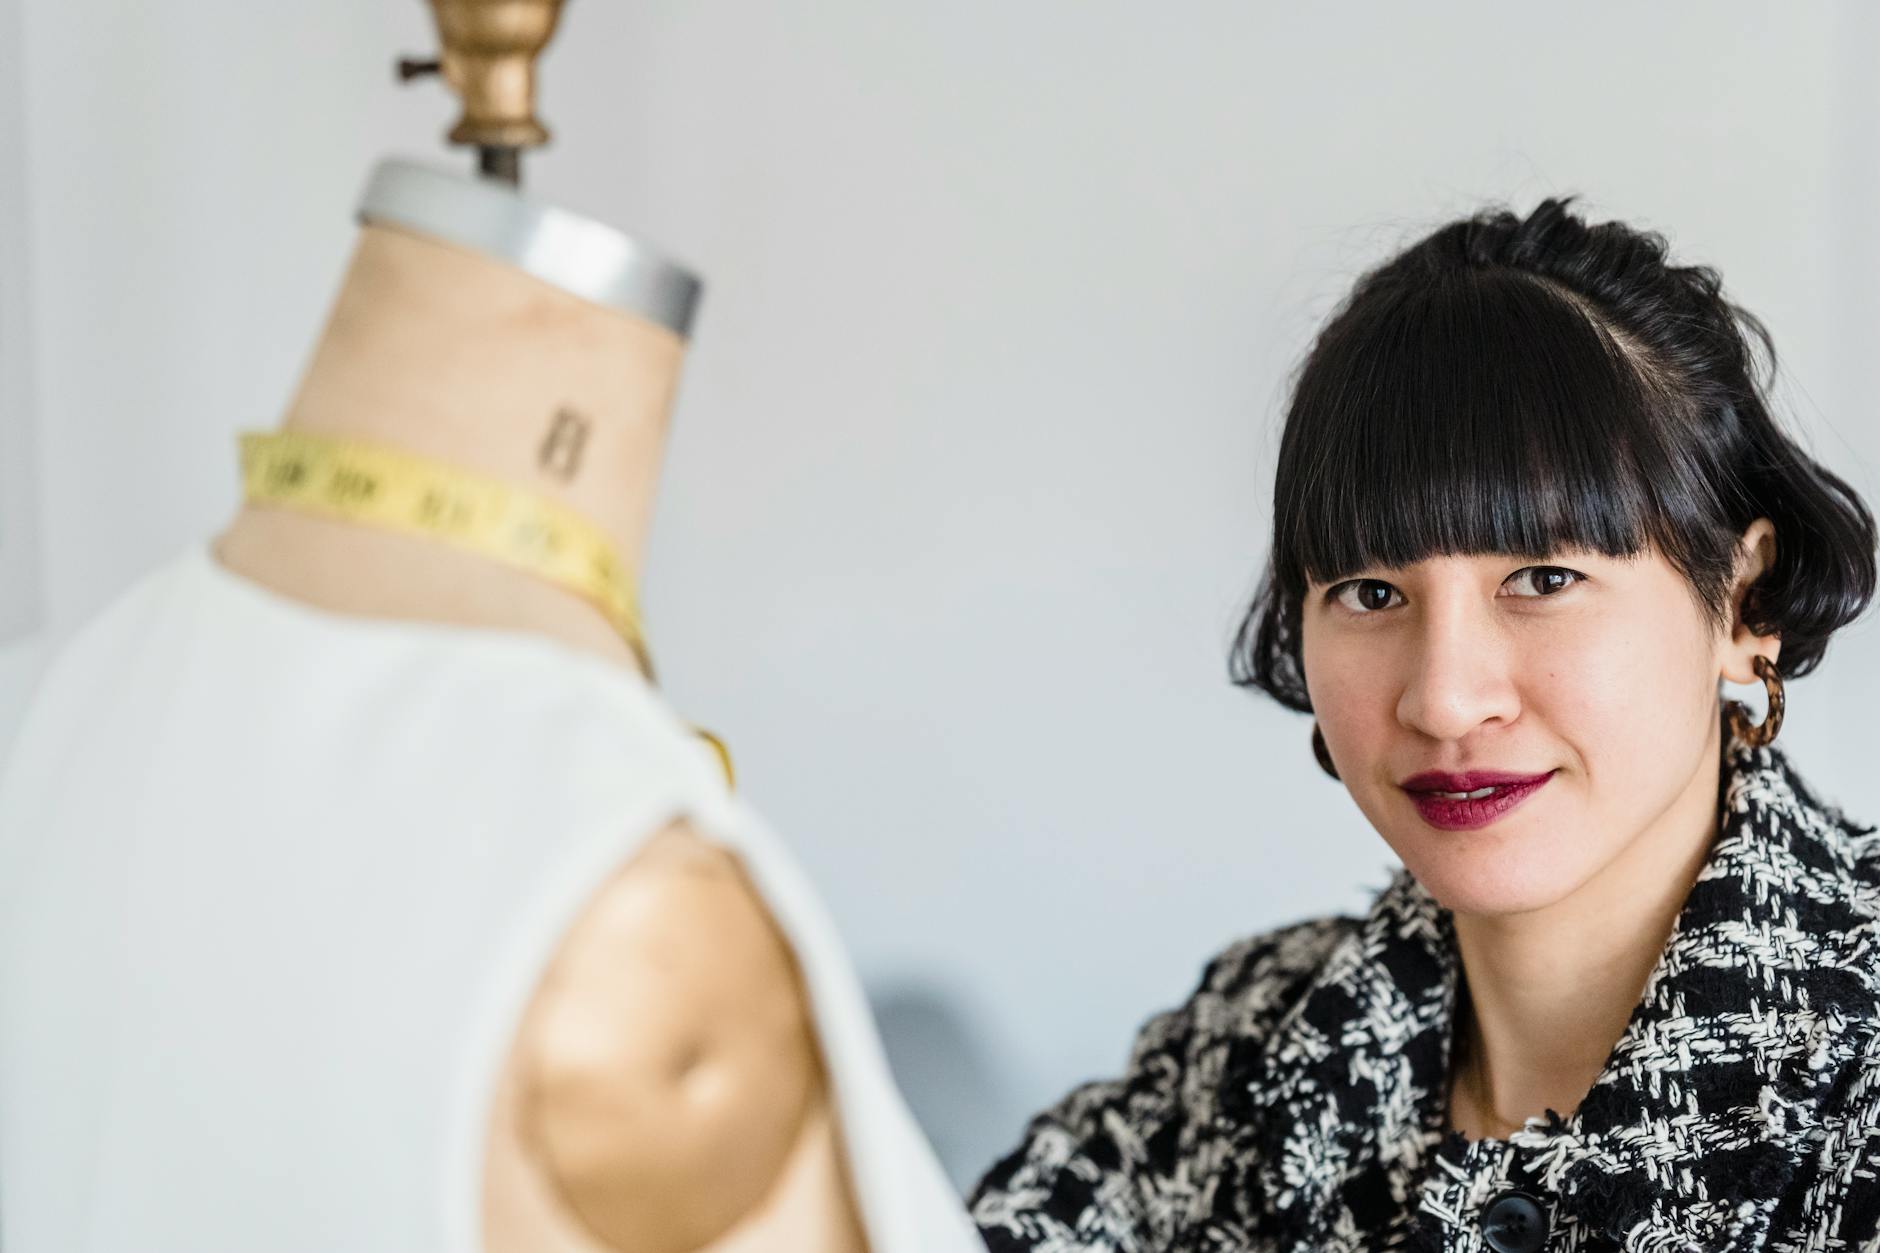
973 457
20 546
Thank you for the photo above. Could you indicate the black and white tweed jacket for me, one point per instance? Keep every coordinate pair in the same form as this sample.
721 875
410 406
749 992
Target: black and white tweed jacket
1297 1100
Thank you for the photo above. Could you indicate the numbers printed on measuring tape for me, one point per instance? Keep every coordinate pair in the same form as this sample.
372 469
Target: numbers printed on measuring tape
388 487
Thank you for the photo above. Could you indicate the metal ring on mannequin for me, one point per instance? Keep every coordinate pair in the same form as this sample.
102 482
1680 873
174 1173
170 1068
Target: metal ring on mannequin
577 254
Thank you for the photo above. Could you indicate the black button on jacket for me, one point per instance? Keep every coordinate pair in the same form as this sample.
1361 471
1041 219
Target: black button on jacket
1296 1101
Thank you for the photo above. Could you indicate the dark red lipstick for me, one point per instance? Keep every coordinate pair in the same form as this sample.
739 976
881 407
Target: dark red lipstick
1465 813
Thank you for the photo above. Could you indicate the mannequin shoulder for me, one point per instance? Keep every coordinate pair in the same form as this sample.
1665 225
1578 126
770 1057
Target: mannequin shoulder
667 1065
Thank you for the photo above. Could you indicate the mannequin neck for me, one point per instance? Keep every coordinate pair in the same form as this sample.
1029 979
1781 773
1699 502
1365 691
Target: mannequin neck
445 353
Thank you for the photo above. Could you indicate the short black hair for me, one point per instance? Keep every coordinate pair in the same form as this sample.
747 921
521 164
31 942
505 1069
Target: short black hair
1527 385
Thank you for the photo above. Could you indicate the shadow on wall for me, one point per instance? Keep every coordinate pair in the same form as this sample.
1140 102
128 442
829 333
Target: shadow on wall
949 1072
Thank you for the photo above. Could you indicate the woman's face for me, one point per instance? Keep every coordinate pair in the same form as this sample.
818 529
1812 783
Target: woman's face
1598 672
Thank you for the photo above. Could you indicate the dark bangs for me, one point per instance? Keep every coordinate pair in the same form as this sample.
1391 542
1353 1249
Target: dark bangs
1478 413
1539 385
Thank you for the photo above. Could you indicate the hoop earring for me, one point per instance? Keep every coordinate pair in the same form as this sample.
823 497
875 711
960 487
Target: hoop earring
1319 750
1757 734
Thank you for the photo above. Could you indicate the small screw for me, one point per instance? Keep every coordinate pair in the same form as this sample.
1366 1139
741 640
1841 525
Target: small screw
417 67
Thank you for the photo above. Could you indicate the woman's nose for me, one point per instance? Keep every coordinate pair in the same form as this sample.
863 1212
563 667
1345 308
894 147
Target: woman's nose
1456 679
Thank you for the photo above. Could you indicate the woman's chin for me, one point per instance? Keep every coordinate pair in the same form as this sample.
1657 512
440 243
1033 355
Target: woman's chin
1480 877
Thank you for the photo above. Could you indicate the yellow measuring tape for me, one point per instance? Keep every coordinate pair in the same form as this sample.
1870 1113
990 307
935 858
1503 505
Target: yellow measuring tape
387 487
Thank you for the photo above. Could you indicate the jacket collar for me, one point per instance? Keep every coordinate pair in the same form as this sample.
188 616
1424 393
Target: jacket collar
1760 1000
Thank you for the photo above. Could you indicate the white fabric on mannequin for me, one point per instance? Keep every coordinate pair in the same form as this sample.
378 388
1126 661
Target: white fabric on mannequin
275 886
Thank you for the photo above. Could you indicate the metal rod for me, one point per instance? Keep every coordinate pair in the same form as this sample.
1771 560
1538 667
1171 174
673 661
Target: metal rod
501 163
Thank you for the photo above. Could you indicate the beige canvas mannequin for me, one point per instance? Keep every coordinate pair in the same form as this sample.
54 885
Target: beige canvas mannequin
664 1091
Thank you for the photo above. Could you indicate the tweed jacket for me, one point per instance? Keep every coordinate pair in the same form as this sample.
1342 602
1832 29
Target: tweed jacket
1297 1100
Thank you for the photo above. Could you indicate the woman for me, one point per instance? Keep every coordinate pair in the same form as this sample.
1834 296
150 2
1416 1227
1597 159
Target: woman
1531 507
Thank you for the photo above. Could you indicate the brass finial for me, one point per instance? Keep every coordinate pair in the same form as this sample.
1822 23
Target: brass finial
489 55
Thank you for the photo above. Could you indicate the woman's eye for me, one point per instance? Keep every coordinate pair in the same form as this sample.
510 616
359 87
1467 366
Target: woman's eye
1551 580
1368 599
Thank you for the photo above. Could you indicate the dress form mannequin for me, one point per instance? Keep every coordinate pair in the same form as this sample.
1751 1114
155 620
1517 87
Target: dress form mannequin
358 887
704 1122
647 1104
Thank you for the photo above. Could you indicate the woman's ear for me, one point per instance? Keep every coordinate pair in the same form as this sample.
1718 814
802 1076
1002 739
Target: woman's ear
1755 554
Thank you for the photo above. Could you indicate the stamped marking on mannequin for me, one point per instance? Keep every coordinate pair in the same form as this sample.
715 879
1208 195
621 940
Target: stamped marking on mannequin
561 447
